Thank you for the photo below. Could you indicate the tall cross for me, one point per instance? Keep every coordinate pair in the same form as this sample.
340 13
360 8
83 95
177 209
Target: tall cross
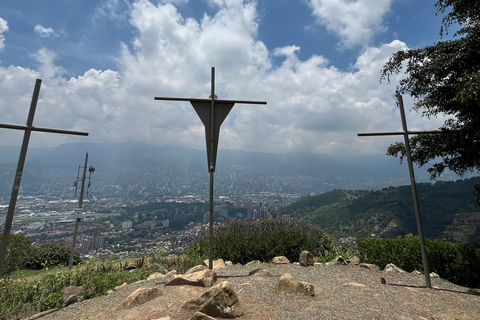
212 112
21 162
416 206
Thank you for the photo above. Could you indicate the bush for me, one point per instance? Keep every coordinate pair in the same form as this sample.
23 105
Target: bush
47 255
454 261
18 251
242 242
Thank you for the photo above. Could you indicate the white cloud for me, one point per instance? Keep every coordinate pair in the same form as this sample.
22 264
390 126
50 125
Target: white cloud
44 32
354 21
311 104
3 28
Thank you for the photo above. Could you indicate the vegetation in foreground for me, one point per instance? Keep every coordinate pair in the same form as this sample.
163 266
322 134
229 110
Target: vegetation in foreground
241 242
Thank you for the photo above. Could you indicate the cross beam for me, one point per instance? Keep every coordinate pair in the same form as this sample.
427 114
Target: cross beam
416 206
212 118
21 162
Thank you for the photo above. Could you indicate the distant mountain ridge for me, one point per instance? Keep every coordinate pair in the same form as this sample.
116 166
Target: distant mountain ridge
114 162
447 208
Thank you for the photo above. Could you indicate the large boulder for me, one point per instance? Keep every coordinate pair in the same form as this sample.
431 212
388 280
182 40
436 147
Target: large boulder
280 260
306 259
338 261
286 285
219 301
140 296
204 278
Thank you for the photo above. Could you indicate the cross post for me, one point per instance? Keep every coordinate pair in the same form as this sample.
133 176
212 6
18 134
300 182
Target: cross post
212 112
413 184
21 162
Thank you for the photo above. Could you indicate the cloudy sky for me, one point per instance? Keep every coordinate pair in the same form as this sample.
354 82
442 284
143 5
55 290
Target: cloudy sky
316 62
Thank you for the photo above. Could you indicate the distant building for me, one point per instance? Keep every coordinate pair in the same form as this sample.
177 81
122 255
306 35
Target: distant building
285 218
92 244
206 217
127 224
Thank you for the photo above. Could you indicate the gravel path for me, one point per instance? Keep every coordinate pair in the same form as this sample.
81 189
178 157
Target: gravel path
341 292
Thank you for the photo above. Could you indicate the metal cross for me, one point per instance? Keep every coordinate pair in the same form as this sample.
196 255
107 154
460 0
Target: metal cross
212 112
416 206
21 162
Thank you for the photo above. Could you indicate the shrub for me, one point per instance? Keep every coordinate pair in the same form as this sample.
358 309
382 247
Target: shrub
47 255
242 242
457 262
18 251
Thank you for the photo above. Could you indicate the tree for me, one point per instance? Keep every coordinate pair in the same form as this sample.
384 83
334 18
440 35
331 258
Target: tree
50 255
444 79
18 252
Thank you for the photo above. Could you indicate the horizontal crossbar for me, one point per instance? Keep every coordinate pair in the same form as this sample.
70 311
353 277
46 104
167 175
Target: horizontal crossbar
364 134
40 129
209 100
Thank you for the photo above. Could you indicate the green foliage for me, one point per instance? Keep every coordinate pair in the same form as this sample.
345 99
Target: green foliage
361 213
454 261
18 251
263 240
444 79
47 255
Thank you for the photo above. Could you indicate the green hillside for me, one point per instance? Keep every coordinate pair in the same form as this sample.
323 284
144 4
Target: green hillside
446 207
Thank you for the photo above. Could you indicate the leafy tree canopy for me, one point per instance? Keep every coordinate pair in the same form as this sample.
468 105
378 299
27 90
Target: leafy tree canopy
444 79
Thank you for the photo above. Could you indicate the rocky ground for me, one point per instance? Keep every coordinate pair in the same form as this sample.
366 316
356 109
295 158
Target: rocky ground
340 292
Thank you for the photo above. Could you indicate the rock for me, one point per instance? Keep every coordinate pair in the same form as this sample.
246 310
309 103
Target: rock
200 267
170 274
280 260
204 278
287 285
306 259
71 300
416 272
139 281
216 264
109 291
120 287
338 261
164 318
393 268
261 273
156 267
70 295
434 275
219 301
253 262
155 276
355 261
369 266
140 296
354 284
201 316
228 263
318 264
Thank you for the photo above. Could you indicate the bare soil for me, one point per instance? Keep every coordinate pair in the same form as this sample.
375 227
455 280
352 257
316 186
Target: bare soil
341 292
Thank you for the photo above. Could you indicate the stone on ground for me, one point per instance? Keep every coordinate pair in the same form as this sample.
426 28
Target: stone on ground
155 276
120 287
216 264
219 301
140 296
204 278
337 261
280 260
253 262
306 259
286 285
200 267
355 261
201 316
261 273
369 266
393 268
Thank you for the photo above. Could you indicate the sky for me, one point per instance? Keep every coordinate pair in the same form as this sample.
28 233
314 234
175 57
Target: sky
317 64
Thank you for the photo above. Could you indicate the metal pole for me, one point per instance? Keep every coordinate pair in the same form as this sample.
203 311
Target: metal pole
415 195
211 169
77 220
18 176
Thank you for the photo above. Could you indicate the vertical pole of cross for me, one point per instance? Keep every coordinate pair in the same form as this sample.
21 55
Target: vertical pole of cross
18 175
77 220
212 170
413 184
